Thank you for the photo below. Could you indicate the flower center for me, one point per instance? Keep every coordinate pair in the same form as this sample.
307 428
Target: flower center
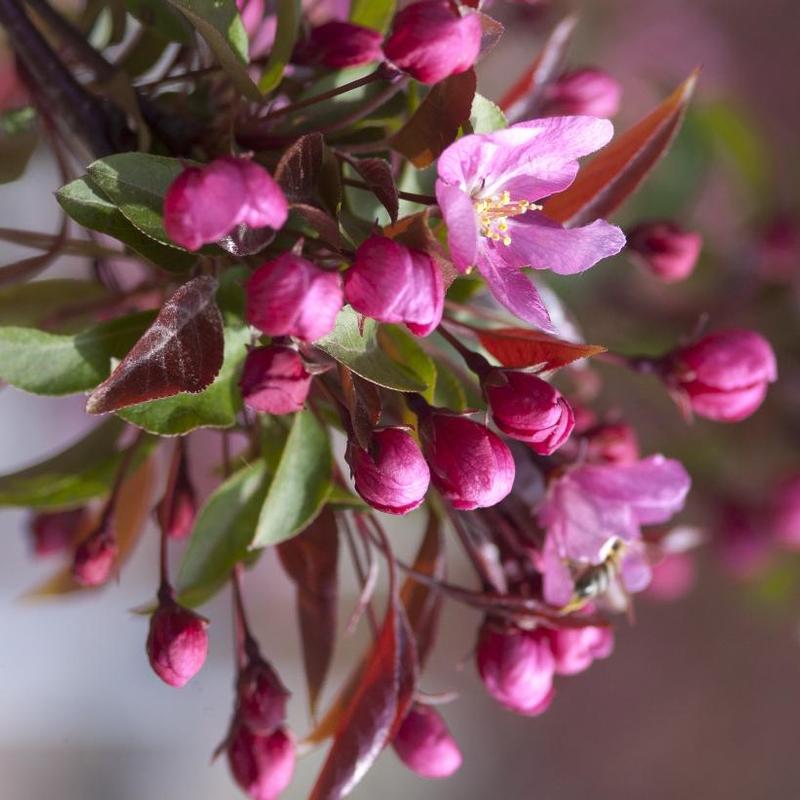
493 213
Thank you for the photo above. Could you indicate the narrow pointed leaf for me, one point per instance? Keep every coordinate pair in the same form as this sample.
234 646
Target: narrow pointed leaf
378 174
182 351
285 36
298 171
613 175
35 304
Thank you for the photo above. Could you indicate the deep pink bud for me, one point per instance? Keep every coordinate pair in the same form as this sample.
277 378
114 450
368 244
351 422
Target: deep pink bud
786 513
430 41
290 296
177 644
261 698
340 44
527 408
261 765
779 251
613 443
274 380
589 92
392 475
471 466
391 283
574 649
665 250
55 531
94 559
672 578
425 745
724 375
180 509
517 667
204 204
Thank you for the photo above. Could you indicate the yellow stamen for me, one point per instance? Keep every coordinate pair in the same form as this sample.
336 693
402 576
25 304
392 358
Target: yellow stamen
493 213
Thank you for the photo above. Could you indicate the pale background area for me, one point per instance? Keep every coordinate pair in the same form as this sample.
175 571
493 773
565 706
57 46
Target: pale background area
699 700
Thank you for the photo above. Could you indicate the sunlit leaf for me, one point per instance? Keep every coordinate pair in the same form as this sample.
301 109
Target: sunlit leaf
375 14
522 347
288 12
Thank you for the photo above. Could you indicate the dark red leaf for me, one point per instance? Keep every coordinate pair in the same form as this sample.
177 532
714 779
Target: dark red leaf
378 174
299 168
523 100
434 125
246 241
521 347
609 178
408 670
310 560
363 400
180 352
324 224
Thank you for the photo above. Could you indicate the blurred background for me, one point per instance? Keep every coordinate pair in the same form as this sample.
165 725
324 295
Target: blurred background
700 697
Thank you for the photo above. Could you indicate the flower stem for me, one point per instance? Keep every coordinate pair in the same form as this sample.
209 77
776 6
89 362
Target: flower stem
422 199
475 361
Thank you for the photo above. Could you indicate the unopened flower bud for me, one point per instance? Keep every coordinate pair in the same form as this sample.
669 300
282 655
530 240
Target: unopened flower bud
672 578
724 375
471 466
590 92
574 649
177 643
612 443
274 380
430 41
291 296
204 204
392 283
94 559
778 253
425 745
261 697
785 512
665 250
55 531
180 508
392 474
529 409
261 765
340 44
517 667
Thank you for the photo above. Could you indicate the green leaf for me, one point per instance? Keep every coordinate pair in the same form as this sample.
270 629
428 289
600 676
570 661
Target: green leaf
341 498
300 484
375 14
18 140
448 392
88 206
58 364
32 304
402 348
157 15
359 350
289 12
222 534
485 116
214 407
219 23
80 473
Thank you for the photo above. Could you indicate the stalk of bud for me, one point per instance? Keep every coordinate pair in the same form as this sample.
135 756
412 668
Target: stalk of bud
274 380
262 765
665 250
425 745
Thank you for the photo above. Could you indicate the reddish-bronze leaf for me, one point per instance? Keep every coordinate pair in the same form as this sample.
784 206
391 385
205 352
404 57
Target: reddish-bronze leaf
180 352
363 400
246 241
434 125
609 178
408 666
491 32
521 347
310 560
299 169
322 222
422 605
523 100
378 174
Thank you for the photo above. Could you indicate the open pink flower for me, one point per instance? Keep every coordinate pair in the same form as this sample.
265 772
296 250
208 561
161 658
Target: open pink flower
487 188
593 504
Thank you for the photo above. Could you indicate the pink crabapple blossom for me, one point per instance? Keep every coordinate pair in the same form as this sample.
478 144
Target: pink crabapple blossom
54 531
274 380
665 249
261 764
177 644
340 44
425 745
588 91
260 697
94 559
487 189
574 649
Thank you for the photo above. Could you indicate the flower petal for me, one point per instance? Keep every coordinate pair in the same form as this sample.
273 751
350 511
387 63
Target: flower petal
462 224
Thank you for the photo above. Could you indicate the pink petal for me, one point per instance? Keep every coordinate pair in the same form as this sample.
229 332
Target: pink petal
462 224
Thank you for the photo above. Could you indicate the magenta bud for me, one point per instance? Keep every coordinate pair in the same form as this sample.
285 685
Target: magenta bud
673 577
430 41
529 409
177 643
590 92
574 649
340 44
785 513
724 375
261 765
55 531
274 380
181 510
290 296
261 697
612 443
391 283
517 667
665 250
392 475
204 204
94 559
425 745
471 466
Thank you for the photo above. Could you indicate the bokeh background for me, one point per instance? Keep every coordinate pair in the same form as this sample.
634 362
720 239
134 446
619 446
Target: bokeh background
700 698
